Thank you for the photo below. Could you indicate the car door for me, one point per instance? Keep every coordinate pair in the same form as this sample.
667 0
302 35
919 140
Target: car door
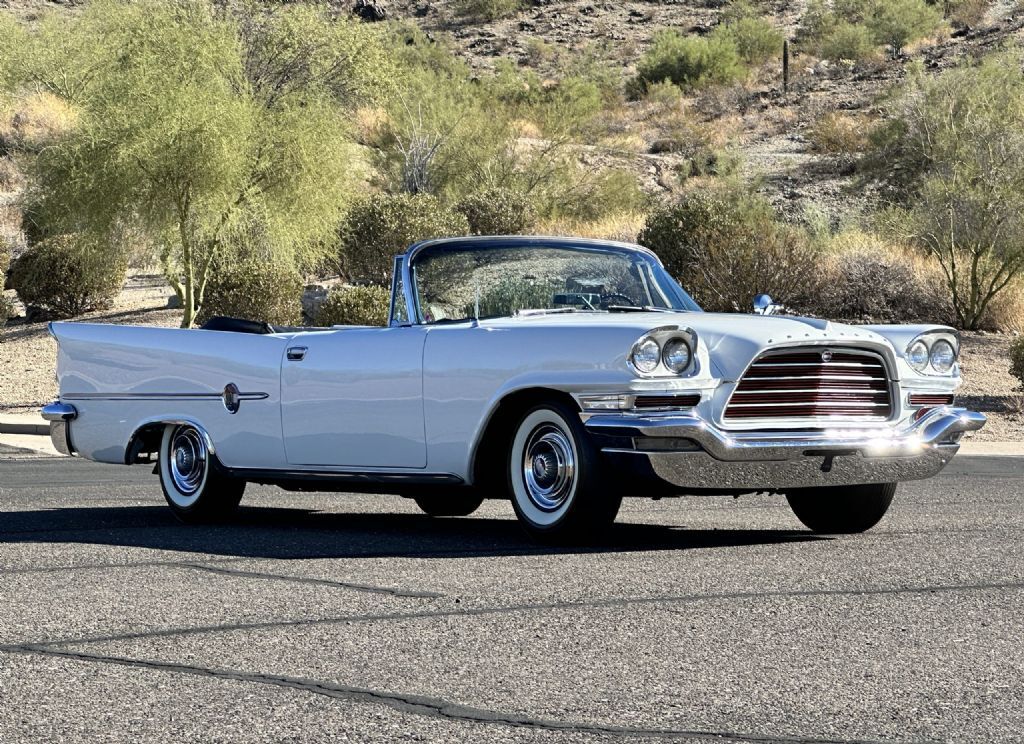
354 397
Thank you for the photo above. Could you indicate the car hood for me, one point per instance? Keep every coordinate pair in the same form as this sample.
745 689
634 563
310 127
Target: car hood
731 339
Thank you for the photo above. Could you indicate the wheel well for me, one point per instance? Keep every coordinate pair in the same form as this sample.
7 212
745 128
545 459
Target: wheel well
492 446
144 443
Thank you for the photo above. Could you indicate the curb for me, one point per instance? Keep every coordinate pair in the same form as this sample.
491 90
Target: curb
42 429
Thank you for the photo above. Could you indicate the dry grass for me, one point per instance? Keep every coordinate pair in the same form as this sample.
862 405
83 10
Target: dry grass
11 178
371 125
33 120
623 227
836 133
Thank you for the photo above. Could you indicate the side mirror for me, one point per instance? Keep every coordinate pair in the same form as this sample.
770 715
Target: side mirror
763 305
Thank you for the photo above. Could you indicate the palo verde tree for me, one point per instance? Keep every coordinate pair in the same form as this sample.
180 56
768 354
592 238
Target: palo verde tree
194 123
952 154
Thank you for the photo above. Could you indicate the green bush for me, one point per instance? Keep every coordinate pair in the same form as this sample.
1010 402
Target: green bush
848 41
708 161
383 225
498 211
366 305
265 291
691 61
726 245
68 275
757 40
1017 359
514 293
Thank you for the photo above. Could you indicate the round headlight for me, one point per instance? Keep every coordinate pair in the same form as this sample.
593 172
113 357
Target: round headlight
676 355
646 355
917 356
943 356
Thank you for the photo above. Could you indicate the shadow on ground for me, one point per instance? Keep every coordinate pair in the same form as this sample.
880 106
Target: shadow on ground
297 533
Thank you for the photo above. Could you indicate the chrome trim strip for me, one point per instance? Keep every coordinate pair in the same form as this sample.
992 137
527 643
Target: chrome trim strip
839 403
161 396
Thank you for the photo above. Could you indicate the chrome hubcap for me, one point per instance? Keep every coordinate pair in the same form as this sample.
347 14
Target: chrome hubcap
549 467
188 460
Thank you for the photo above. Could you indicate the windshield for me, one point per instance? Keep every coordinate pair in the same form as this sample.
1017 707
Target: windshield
463 281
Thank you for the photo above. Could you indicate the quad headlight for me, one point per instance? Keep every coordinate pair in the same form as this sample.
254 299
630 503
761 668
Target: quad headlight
942 356
930 355
676 355
646 355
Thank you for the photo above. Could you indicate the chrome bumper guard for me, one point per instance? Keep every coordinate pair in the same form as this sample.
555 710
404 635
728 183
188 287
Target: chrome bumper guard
688 452
60 415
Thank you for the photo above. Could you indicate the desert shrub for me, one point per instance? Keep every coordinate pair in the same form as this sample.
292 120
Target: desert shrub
5 306
709 161
363 305
1017 359
383 225
756 40
68 275
31 121
664 94
894 23
691 62
963 13
725 245
848 41
838 134
498 211
265 291
6 310
872 281
487 10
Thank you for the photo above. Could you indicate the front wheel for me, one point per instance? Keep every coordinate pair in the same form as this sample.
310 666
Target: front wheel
840 510
193 488
554 476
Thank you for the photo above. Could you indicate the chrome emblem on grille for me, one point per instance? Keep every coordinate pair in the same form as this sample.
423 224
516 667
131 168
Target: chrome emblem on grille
826 356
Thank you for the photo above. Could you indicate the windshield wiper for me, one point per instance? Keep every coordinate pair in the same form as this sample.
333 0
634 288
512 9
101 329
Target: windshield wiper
639 309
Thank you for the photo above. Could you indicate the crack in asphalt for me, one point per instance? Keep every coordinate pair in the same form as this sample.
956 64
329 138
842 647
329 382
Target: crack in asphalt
527 607
410 593
428 706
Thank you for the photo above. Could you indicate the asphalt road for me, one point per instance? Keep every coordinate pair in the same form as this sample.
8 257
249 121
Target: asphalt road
343 617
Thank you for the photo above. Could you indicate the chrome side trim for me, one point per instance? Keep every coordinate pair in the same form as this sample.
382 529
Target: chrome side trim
161 396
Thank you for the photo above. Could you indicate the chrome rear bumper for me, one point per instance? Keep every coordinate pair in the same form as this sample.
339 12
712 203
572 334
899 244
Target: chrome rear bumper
60 415
690 453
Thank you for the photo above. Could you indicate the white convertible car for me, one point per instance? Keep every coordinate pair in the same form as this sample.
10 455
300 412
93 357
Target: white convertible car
561 374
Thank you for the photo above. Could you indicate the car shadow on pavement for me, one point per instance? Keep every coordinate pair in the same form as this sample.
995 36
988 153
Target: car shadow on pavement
259 532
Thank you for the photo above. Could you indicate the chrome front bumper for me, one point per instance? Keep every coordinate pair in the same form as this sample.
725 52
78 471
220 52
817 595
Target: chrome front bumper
688 452
60 415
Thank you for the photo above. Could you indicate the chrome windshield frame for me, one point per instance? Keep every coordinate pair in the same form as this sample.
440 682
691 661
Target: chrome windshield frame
405 265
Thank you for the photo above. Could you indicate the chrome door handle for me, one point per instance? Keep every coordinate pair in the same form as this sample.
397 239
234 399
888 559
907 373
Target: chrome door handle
296 353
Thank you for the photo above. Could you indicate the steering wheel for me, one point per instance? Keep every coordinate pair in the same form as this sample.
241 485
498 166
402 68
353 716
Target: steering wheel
606 299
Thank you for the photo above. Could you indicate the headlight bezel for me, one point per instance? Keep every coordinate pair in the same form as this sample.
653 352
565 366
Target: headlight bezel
930 341
664 337
655 360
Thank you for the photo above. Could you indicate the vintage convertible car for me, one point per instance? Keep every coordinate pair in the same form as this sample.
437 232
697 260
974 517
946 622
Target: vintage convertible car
561 374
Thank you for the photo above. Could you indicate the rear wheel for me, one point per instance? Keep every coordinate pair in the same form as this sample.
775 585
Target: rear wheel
450 505
193 488
554 476
842 509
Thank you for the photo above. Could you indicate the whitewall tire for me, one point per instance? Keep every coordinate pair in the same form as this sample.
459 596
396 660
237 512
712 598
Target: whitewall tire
554 476
193 487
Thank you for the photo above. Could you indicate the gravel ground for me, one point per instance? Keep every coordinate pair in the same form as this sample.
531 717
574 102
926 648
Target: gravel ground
28 354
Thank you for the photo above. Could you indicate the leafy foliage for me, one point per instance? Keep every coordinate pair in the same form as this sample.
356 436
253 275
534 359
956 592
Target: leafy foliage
1017 359
498 211
192 119
725 245
952 157
757 40
487 10
691 62
384 225
849 41
68 275
256 290
511 294
837 29
360 305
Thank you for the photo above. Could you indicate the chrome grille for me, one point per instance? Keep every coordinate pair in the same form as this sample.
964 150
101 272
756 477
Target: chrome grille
813 383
